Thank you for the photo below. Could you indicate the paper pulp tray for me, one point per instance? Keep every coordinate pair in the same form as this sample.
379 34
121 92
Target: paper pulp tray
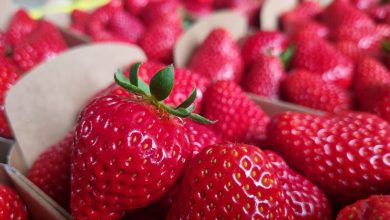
44 104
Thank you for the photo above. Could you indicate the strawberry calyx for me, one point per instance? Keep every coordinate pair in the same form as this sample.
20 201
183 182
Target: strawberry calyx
158 90
287 55
386 46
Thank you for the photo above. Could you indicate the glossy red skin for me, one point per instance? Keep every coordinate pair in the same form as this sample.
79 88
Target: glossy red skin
264 77
135 7
308 9
218 57
345 154
3 42
230 181
51 171
126 155
20 26
263 43
160 38
157 10
379 12
306 199
373 208
310 90
320 57
43 43
342 13
11 205
8 77
238 118
351 50
363 4
79 20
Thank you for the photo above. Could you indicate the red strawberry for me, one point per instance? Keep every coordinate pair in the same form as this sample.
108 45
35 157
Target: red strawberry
342 13
41 44
363 4
20 25
160 38
11 205
307 9
350 50
374 207
230 181
310 90
135 7
157 10
306 199
200 136
3 43
8 77
263 43
79 20
51 171
265 76
346 155
112 23
218 57
320 57
135 145
198 8
379 12
224 102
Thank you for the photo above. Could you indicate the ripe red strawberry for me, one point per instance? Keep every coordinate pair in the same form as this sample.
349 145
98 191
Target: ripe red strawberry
41 44
231 181
135 7
8 77
136 145
51 171
238 118
198 8
11 205
351 50
3 43
200 136
306 199
79 20
346 154
112 23
373 208
20 25
342 13
310 90
218 57
263 43
363 4
160 38
320 57
264 77
157 10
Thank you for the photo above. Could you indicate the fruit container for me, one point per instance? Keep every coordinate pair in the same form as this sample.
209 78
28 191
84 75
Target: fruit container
7 9
86 70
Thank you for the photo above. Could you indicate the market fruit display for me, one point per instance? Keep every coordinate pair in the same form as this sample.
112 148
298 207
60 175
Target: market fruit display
188 142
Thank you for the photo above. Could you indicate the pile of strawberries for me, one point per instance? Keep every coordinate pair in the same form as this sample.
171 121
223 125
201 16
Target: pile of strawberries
164 142
24 44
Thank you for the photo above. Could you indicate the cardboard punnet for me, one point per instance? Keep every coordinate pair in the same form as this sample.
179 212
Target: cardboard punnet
43 106
235 23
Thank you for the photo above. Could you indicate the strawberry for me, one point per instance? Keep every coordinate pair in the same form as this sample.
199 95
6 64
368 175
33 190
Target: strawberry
320 57
230 181
135 7
160 38
3 43
374 207
223 102
310 90
306 199
43 43
200 136
350 50
372 87
345 154
51 171
8 77
344 14
11 205
198 8
79 20
262 42
142 154
112 23
218 57
363 4
264 77
21 24
157 10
